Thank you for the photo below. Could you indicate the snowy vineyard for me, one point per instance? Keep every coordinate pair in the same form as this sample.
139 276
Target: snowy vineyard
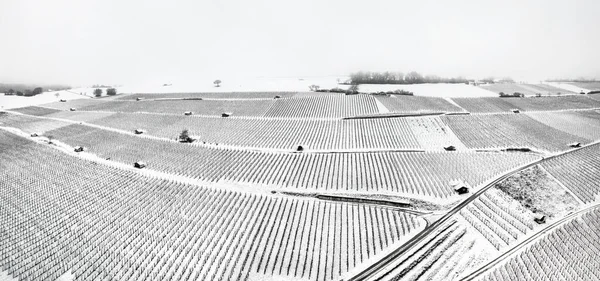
119 225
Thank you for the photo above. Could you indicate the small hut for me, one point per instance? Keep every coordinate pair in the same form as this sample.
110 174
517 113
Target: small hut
277 97
78 149
139 165
188 113
449 148
63 100
460 186
72 109
540 220
515 110
139 131
299 148
575 144
138 99
226 114
34 135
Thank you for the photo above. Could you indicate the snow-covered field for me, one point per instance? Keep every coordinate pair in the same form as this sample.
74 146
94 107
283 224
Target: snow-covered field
566 86
432 90
235 85
302 85
7 102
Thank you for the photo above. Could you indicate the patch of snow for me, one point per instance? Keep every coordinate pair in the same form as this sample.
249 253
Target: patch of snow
568 87
7 102
67 276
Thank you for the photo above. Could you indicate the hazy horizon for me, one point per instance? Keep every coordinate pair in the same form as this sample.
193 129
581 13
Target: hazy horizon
117 42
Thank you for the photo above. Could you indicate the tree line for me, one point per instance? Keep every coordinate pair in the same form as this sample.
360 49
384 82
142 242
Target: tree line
24 93
413 77
28 89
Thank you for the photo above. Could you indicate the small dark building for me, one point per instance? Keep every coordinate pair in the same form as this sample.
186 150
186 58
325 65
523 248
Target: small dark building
72 109
299 148
540 220
188 113
449 148
78 149
63 100
138 99
460 186
34 135
575 144
515 110
277 97
139 131
139 165
226 114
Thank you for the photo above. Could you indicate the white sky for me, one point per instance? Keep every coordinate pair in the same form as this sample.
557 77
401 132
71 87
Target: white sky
106 41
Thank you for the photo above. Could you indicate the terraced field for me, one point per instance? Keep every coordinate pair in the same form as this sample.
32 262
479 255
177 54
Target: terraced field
499 219
508 131
579 171
76 103
569 252
495 105
554 103
274 133
178 107
102 223
509 88
585 124
35 110
323 107
433 134
416 104
485 105
30 124
395 172
527 89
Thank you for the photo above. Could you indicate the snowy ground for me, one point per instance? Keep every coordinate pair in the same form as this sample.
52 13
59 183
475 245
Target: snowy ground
236 85
7 102
302 85
432 90
566 86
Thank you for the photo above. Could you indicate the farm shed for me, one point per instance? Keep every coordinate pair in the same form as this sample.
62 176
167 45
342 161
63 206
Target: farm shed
139 164
300 148
72 109
540 220
277 97
139 131
34 135
460 186
188 113
78 149
63 100
226 114
449 148
138 99
575 144
515 110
